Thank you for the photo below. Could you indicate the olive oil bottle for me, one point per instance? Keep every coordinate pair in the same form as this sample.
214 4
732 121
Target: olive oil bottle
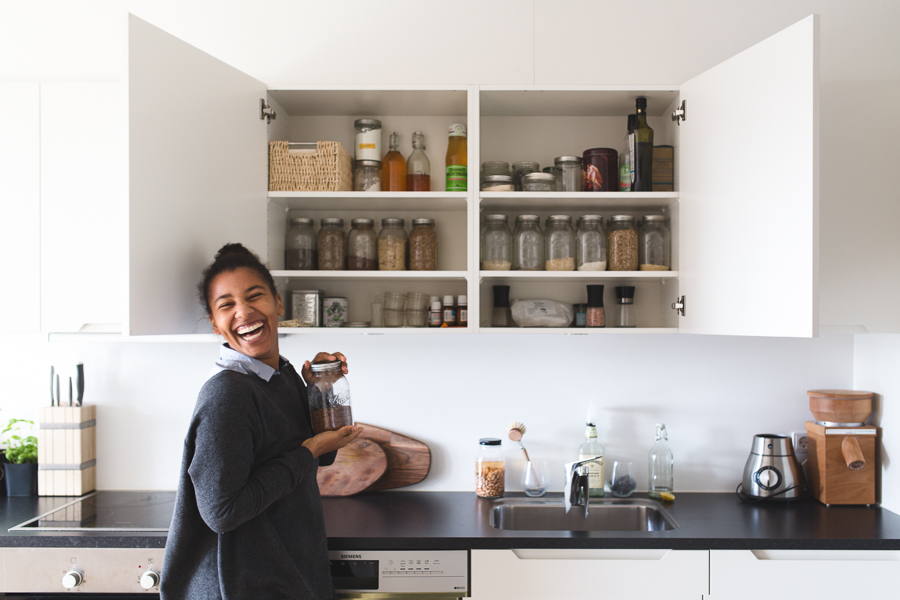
642 151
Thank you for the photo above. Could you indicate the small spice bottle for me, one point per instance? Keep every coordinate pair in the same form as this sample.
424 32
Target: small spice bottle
435 316
595 312
449 312
625 300
490 469
580 315
462 314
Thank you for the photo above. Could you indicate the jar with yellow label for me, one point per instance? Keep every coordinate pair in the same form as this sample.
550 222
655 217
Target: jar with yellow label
368 139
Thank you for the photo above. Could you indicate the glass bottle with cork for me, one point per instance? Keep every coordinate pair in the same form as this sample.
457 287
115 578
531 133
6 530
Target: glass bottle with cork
642 152
418 167
393 167
661 466
457 159
592 449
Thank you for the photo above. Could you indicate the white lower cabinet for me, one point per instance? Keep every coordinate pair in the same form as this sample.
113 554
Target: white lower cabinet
593 574
792 574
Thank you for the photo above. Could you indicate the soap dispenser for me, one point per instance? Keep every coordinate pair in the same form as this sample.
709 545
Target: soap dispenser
662 464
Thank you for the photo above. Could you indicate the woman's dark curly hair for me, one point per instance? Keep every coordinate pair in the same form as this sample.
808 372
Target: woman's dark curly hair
229 258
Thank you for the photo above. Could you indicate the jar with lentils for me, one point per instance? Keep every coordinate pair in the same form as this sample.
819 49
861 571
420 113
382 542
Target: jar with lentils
423 246
392 243
490 469
622 244
332 243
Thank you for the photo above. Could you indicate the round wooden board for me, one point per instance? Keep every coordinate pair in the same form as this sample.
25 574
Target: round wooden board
358 465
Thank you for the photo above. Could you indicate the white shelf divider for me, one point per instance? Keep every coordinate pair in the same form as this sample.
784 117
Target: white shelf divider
371 275
578 330
578 275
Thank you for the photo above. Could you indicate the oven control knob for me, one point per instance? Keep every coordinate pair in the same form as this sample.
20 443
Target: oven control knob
150 580
72 579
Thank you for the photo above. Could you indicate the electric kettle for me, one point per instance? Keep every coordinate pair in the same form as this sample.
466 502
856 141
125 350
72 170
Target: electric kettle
772 471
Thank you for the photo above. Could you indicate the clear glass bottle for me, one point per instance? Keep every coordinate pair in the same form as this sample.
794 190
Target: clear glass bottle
332 245
593 449
625 304
496 244
392 245
501 316
622 244
377 312
457 160
528 244
393 167
490 469
590 244
362 246
654 244
418 167
329 397
521 169
572 177
559 244
539 182
661 464
367 176
423 246
300 246
625 158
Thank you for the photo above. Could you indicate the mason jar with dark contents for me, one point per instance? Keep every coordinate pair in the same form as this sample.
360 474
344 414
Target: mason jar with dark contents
423 246
300 246
362 246
329 397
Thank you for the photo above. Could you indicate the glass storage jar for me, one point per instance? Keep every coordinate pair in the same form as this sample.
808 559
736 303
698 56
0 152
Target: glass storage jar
362 246
392 242
423 246
528 244
367 176
496 244
571 175
654 244
539 182
368 139
300 245
332 245
622 244
521 169
490 469
494 167
557 176
498 183
559 244
329 397
590 244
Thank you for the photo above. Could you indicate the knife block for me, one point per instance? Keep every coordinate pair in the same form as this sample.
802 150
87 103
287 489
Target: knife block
67 451
842 463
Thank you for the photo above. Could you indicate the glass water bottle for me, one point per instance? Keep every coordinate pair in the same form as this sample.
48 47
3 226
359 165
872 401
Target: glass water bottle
661 463
418 167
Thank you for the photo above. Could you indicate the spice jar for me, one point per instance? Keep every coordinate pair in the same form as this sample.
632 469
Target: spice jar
490 469
654 243
571 175
329 397
423 246
392 245
362 246
528 244
496 244
539 182
521 169
300 245
494 167
498 183
501 316
622 244
590 244
559 244
368 139
580 314
625 301
367 176
596 316
332 243
601 170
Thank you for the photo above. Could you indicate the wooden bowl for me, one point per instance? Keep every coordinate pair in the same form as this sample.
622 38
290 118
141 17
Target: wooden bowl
840 406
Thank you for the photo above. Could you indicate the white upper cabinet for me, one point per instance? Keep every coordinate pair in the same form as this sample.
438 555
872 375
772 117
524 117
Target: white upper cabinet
197 155
749 190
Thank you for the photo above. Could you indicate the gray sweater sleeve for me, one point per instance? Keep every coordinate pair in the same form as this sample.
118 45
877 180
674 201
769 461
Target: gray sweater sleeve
230 489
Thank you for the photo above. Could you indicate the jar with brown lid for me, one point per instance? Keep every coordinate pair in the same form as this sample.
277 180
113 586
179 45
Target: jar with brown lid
423 246
329 397
332 243
490 469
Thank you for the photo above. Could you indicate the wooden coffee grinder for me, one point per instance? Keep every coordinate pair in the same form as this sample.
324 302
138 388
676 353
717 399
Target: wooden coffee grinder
843 450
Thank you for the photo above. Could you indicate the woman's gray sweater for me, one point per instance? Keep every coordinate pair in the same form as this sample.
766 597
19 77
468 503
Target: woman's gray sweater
248 519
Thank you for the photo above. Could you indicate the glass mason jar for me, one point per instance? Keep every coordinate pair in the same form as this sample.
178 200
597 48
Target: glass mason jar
528 244
423 246
367 176
496 244
490 469
329 397
654 244
498 183
521 169
557 176
392 243
559 244
494 167
362 246
622 246
590 244
368 139
332 243
300 245
572 177
539 182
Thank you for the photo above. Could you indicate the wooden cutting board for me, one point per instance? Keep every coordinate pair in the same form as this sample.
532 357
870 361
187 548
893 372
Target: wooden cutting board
408 459
357 465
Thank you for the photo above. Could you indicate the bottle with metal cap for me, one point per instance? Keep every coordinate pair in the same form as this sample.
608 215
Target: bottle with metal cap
661 464
496 244
559 244
362 246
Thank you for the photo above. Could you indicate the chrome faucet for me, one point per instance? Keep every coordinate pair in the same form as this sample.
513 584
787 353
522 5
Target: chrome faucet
577 490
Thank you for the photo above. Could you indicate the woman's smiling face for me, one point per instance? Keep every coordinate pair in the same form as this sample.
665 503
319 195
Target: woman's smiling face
245 313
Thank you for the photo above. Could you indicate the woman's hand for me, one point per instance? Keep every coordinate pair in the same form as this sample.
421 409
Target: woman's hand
329 441
323 357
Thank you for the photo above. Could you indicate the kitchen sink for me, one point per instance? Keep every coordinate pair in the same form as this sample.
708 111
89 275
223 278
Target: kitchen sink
606 514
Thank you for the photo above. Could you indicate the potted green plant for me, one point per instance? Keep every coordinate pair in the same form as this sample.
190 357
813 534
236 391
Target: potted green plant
21 452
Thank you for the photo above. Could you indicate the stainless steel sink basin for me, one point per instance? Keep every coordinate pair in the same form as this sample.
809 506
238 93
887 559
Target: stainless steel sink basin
606 514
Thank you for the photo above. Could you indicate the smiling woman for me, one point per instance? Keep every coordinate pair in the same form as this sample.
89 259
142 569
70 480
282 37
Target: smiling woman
248 519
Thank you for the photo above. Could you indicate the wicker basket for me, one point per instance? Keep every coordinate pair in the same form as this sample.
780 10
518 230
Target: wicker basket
328 169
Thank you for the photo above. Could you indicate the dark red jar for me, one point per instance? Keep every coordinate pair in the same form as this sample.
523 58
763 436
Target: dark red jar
601 170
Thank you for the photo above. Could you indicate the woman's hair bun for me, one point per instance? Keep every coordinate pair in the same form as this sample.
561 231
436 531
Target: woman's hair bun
229 258
232 249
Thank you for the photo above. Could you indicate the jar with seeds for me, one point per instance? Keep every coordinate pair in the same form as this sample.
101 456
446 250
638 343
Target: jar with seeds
332 245
490 469
622 247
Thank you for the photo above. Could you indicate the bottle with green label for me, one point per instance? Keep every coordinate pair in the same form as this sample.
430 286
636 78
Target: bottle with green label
592 449
457 159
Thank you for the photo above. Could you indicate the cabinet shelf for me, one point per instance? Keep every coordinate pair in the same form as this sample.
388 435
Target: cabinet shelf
374 330
579 330
371 201
372 275
563 201
620 276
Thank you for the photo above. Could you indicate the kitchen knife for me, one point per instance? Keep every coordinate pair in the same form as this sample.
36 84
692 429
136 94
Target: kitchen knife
52 375
70 391
79 383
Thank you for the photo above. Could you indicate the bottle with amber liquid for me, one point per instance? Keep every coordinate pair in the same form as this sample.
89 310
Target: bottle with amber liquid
393 167
418 167
642 155
457 159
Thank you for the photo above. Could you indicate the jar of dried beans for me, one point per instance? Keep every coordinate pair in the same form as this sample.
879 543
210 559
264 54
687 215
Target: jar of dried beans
362 246
622 244
332 243
490 469
392 242
329 397
423 246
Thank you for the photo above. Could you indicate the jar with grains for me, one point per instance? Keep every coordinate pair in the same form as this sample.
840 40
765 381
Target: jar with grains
362 246
392 242
622 244
329 397
498 183
300 246
654 244
528 244
572 177
559 244
521 169
332 243
367 176
490 469
423 246
590 244
539 182
494 167
496 244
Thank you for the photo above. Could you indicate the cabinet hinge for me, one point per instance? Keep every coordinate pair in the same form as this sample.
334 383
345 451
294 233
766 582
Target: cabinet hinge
265 111
678 306
680 113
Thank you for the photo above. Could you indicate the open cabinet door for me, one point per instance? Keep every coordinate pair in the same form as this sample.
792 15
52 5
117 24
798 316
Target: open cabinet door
749 190
197 163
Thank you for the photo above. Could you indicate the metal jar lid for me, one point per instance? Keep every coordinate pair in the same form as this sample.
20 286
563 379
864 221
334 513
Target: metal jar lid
332 221
498 179
622 218
528 219
372 164
496 218
392 222
302 221
601 152
427 222
494 164
325 367
367 124
356 222
526 163
591 218
559 219
565 159
489 441
655 219
540 178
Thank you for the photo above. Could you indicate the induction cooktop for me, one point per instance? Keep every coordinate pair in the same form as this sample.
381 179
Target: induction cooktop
108 511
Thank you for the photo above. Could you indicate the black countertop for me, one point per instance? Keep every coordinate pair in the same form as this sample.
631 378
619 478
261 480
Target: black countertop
460 520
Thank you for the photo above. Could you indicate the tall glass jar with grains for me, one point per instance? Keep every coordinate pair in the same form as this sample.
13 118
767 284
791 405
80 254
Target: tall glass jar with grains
393 167
654 242
457 159
590 244
418 167
496 244
559 244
